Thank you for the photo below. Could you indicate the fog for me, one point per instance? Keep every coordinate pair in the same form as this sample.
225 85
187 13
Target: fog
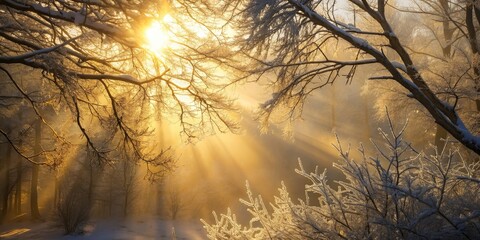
166 112
210 172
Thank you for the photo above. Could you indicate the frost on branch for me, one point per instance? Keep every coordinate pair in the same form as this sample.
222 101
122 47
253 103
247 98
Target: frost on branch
298 47
89 64
395 193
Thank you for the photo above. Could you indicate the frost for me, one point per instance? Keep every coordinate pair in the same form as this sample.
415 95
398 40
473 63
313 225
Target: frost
352 27
129 78
349 27
391 34
402 195
272 101
411 67
467 136
79 18
400 66
76 17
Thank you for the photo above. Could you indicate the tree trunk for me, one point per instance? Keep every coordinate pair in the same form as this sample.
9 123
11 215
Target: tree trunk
90 184
110 196
440 137
440 133
125 205
6 184
18 188
17 206
333 103
125 188
368 135
7 180
56 194
10 209
35 213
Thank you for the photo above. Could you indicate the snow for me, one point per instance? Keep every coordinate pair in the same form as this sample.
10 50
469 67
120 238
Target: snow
268 104
321 20
128 78
400 66
467 135
79 18
138 228
74 17
23 57
358 3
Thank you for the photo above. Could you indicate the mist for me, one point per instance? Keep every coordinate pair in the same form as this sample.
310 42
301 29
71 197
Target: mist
239 119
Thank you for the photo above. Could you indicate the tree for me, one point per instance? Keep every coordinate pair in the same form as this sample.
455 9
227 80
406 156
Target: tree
94 67
129 185
35 168
450 70
296 41
444 10
6 188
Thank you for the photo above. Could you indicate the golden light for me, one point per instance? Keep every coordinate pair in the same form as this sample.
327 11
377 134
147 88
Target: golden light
156 36
14 232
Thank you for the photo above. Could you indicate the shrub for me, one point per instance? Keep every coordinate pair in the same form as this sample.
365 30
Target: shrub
398 193
73 210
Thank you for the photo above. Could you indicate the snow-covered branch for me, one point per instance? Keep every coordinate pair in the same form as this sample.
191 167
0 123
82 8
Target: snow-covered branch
23 57
75 17
306 37
406 195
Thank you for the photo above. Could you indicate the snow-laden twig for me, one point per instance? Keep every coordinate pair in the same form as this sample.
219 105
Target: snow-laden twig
406 195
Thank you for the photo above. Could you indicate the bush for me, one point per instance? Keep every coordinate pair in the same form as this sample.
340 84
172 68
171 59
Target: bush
73 210
398 193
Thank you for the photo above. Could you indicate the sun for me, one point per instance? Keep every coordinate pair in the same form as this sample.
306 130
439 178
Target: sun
156 36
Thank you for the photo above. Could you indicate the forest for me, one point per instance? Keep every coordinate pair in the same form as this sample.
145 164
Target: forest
239 119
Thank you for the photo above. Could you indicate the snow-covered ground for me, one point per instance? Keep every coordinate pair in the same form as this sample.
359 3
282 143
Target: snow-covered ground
135 229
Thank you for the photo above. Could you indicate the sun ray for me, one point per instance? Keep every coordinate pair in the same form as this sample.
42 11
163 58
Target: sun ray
156 37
